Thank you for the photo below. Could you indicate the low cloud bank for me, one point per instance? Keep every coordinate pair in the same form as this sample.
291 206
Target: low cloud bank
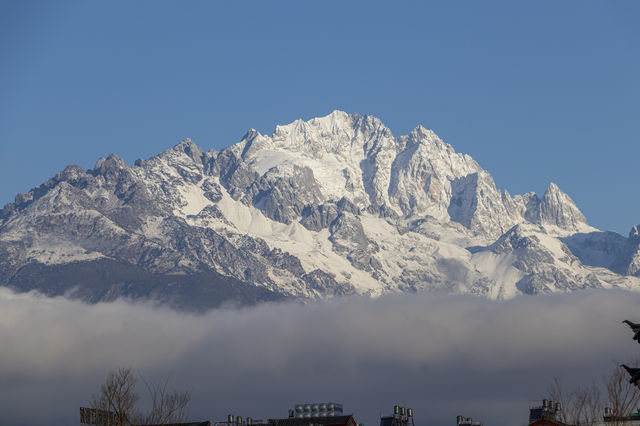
441 355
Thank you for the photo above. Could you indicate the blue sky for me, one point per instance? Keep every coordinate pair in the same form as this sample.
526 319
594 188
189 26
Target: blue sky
534 91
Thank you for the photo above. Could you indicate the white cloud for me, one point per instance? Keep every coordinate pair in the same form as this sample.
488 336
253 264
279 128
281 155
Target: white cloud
442 355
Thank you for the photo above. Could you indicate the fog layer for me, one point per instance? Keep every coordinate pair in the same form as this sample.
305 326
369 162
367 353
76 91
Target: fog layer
441 355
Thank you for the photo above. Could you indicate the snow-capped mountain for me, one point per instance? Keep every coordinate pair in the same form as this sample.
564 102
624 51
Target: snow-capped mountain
332 206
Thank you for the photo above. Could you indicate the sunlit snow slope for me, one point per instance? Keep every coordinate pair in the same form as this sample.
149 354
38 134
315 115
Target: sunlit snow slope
332 206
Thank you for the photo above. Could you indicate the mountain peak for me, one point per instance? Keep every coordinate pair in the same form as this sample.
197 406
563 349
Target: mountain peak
336 115
186 142
185 147
190 148
335 121
557 208
420 134
251 134
111 161
553 189
420 130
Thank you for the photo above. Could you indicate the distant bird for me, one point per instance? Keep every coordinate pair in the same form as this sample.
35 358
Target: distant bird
636 329
634 373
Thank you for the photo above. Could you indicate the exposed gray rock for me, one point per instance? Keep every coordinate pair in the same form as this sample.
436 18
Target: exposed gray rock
345 205
463 202
479 206
317 218
325 284
235 175
108 280
212 191
348 238
275 257
603 249
631 259
543 271
558 208
284 199
554 208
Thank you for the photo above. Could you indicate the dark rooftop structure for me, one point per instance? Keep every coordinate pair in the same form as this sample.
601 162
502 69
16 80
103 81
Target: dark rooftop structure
401 417
546 410
466 421
205 423
345 420
315 414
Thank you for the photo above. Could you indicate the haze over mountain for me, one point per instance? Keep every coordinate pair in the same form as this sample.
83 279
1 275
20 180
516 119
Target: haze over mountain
332 206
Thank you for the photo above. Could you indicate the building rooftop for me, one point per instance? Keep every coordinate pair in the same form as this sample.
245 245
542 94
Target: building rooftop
304 421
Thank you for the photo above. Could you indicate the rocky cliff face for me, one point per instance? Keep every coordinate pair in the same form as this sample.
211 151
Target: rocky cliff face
332 206
631 259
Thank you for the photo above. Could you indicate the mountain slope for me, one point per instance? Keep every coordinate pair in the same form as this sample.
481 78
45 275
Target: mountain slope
328 207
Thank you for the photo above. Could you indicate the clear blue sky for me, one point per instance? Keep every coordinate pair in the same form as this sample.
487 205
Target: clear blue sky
534 91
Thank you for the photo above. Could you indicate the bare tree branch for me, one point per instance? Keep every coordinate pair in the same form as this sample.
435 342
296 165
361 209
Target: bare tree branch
117 395
167 406
585 405
622 396
117 401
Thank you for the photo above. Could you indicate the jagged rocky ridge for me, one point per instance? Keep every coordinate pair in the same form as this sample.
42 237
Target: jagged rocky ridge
333 206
